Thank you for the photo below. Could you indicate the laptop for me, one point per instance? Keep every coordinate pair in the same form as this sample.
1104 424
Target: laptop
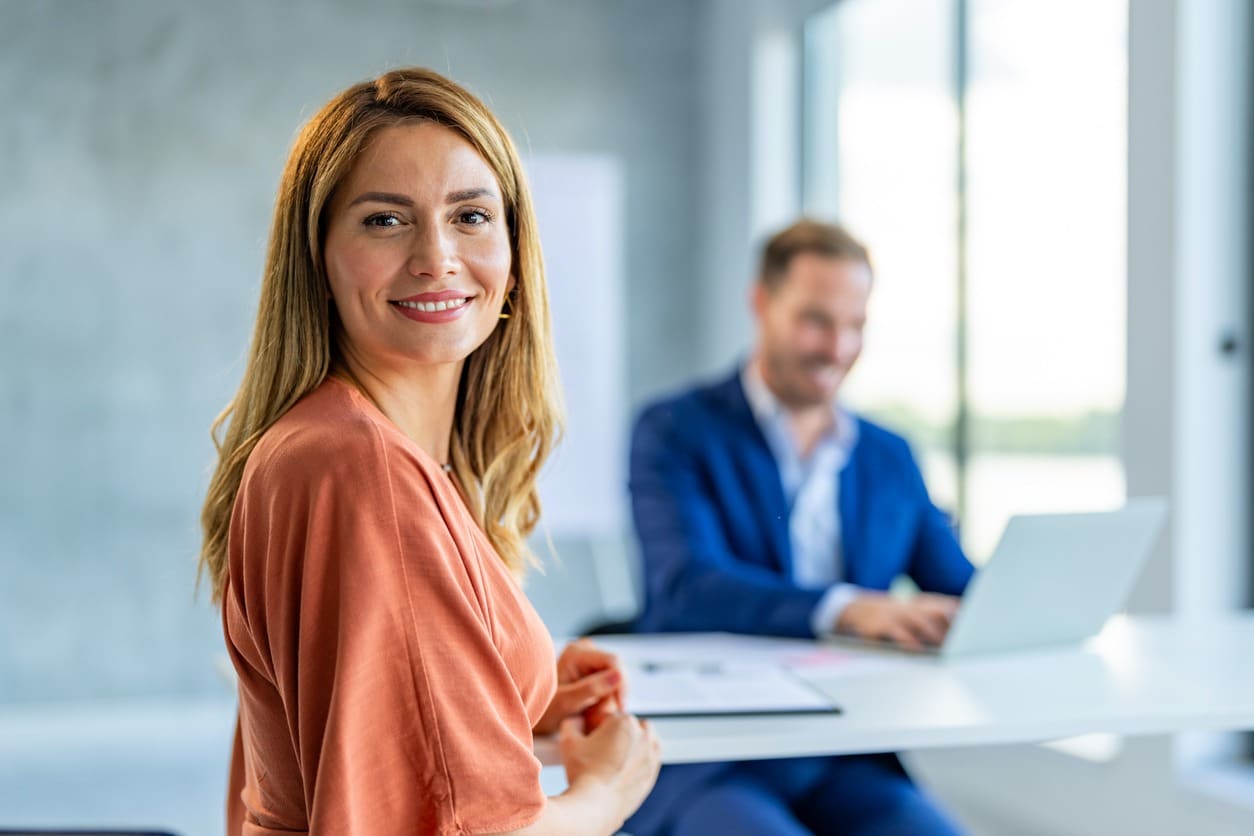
1054 579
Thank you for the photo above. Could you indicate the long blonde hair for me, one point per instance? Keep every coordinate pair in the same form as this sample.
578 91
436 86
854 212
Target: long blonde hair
508 408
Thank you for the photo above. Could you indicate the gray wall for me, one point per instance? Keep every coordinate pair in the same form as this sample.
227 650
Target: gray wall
139 151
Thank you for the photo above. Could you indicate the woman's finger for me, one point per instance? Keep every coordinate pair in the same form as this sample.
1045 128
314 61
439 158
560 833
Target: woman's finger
571 727
582 657
583 693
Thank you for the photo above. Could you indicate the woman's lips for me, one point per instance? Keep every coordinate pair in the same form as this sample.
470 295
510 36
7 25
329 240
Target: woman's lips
444 306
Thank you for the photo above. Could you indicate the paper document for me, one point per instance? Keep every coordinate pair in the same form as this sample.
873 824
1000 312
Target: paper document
698 689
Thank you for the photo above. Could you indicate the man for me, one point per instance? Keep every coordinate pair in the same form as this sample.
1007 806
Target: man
763 506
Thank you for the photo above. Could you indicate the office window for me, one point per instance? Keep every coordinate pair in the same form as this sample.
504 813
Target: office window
881 156
979 147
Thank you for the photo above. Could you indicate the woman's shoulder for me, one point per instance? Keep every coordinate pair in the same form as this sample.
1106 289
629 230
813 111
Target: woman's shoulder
333 434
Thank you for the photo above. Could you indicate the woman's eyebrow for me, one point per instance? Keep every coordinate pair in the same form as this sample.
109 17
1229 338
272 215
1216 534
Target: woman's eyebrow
403 200
382 197
468 194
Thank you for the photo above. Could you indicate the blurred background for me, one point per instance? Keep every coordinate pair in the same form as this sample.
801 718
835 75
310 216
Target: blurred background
1056 198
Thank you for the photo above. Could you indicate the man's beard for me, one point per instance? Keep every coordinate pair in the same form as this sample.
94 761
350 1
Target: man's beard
791 391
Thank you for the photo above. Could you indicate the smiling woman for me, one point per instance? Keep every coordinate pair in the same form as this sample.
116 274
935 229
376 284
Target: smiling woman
365 526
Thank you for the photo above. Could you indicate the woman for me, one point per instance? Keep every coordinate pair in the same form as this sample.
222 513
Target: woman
365 527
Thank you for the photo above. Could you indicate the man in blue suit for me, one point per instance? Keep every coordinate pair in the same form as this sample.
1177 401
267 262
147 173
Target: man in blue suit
763 506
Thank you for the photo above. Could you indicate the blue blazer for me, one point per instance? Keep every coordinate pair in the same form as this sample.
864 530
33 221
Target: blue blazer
712 519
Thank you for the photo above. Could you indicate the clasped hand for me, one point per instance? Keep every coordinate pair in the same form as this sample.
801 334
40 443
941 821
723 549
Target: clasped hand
589 683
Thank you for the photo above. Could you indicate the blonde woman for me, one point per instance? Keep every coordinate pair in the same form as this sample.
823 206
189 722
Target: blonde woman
365 526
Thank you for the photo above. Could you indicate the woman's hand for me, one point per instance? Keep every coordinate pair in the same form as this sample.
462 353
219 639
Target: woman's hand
620 758
589 682
609 772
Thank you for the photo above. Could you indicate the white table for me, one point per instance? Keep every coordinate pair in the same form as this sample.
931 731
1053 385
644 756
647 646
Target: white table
1142 675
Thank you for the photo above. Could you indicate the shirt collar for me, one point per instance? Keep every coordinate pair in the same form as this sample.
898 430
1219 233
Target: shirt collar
769 412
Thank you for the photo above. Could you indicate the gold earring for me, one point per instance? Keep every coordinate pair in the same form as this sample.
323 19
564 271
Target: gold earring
509 307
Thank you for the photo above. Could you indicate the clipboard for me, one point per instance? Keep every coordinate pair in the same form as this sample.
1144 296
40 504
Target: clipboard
674 689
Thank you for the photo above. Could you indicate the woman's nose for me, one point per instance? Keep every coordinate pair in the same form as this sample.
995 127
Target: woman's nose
433 254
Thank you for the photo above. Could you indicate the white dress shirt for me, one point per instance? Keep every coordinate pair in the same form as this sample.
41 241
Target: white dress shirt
812 488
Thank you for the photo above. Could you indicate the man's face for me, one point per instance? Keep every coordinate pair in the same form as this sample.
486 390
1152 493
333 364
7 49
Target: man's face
810 327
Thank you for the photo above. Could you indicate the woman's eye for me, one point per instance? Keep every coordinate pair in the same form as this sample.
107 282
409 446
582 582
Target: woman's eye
383 219
474 217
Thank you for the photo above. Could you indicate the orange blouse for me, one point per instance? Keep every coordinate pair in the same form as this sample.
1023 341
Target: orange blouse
390 668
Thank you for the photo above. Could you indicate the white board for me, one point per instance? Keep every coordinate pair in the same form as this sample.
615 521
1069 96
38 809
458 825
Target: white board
578 199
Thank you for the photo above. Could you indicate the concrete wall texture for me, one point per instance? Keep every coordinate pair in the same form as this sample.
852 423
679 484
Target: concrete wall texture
140 145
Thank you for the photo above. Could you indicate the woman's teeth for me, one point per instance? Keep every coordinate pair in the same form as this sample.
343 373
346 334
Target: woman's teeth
432 307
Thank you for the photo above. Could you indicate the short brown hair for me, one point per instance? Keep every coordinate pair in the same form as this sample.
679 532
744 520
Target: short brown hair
807 236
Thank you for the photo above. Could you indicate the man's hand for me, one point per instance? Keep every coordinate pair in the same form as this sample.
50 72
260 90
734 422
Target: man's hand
589 682
921 621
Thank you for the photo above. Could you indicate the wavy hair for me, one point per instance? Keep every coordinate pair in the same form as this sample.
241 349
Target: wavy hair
509 411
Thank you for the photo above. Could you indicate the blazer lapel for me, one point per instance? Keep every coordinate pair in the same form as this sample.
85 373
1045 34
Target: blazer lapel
852 514
762 472
874 521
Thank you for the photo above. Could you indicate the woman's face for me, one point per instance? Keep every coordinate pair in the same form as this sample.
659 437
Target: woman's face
417 250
